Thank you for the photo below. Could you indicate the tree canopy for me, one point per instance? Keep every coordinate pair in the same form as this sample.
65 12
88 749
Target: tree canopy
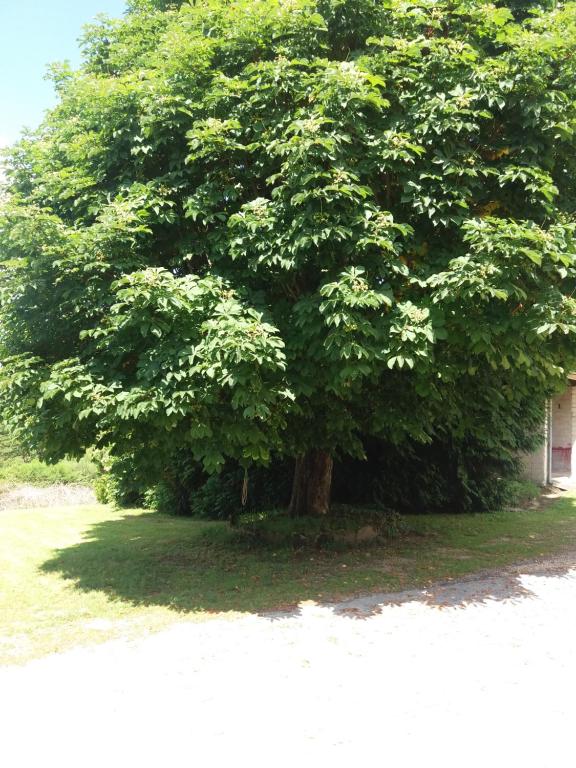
266 228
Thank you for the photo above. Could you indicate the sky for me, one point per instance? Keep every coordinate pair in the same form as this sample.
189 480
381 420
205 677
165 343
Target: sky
33 34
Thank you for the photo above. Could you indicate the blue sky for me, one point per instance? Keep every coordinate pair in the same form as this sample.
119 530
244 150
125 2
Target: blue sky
34 33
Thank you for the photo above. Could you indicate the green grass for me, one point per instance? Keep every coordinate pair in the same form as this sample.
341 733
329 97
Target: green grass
70 576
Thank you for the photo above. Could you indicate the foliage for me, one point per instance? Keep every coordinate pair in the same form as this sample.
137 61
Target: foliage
520 493
9 448
444 475
124 482
253 229
189 490
219 497
16 468
118 481
346 527
16 471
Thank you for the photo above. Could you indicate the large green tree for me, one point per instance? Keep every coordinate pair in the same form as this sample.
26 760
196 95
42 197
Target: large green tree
266 228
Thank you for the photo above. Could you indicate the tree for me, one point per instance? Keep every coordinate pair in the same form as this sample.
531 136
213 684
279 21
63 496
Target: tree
263 228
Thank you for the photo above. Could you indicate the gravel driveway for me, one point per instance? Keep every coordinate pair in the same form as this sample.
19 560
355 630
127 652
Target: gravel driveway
476 673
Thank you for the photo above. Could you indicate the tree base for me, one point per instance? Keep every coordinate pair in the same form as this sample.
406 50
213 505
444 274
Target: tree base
312 484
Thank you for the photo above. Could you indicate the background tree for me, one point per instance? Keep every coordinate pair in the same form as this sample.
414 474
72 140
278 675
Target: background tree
267 229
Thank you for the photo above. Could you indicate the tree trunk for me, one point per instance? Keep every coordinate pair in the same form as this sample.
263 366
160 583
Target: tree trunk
311 485
181 496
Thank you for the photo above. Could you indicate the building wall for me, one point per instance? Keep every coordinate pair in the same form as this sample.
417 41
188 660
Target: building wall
535 465
573 456
563 432
562 420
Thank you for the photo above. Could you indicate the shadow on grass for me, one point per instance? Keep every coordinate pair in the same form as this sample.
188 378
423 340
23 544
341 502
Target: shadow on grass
149 559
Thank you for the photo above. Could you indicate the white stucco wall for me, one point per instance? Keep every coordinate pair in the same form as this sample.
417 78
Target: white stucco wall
562 420
535 465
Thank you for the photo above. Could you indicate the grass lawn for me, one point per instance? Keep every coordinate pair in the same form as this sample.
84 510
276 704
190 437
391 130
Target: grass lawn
76 575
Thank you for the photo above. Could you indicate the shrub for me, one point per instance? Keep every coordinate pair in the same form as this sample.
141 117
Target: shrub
219 497
519 493
16 471
446 475
345 527
118 483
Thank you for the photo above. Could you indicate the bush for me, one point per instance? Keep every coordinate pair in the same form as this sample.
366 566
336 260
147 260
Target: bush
219 497
9 448
18 471
128 481
118 483
184 488
344 527
519 493
445 475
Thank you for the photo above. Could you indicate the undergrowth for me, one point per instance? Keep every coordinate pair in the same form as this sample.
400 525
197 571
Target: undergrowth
18 471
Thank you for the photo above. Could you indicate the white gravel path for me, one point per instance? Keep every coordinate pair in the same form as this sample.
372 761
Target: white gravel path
476 673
